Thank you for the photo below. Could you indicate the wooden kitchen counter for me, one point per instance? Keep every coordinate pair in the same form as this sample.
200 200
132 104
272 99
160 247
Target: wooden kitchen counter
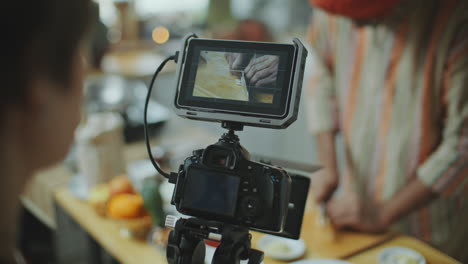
355 247
107 232
432 255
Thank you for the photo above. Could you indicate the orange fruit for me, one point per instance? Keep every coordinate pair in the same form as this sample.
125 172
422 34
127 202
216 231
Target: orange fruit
125 206
120 184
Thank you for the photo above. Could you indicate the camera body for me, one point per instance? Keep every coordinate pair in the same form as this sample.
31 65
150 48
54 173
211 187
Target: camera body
221 183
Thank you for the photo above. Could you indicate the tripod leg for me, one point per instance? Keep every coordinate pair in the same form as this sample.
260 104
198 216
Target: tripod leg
227 254
183 250
198 256
255 256
235 245
233 255
173 249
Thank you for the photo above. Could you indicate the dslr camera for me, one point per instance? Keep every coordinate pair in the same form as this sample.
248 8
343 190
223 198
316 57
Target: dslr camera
221 183
239 83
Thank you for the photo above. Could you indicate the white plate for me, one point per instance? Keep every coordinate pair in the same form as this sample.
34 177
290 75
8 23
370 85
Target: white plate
390 251
320 261
297 247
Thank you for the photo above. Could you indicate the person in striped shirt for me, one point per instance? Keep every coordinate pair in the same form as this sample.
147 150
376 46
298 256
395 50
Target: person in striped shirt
391 78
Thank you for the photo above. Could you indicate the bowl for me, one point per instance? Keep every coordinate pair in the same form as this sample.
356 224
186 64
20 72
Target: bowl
281 248
400 255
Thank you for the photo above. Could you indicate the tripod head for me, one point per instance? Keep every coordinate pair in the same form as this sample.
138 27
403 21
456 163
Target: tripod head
186 242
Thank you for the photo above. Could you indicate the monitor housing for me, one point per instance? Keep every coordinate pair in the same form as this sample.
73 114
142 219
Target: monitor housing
211 89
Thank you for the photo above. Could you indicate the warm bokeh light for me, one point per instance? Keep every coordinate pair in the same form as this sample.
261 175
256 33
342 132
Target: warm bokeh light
160 35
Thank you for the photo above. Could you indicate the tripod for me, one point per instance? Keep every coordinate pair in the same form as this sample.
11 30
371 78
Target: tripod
186 242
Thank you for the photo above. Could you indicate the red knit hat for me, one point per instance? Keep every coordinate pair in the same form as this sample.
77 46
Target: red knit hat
357 9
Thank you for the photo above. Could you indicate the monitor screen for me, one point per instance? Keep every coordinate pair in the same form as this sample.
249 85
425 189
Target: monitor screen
247 77
211 192
237 76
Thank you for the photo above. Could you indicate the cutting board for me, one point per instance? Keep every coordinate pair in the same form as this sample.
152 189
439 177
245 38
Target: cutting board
322 241
214 79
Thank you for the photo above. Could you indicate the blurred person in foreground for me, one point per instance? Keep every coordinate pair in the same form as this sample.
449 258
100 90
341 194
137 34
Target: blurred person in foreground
42 73
392 78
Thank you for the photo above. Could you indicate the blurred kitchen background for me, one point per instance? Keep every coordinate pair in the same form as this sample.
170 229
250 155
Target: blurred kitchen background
130 39
133 36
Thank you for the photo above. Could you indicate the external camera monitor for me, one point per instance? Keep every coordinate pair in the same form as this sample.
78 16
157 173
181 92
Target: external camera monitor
253 83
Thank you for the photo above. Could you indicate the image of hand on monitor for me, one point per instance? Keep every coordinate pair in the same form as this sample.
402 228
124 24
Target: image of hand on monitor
237 61
262 71
216 80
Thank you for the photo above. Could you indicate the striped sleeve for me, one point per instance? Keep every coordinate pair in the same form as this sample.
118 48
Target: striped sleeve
446 170
320 96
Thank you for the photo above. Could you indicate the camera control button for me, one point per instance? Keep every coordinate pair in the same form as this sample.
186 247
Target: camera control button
274 178
251 206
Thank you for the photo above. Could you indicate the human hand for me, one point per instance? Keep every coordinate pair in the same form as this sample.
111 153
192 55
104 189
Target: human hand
324 184
235 60
262 71
349 211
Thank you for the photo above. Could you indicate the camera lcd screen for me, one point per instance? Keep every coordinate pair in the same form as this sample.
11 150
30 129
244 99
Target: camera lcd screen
211 192
234 76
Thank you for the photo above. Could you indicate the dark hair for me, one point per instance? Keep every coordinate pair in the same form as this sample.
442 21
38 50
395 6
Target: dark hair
38 38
